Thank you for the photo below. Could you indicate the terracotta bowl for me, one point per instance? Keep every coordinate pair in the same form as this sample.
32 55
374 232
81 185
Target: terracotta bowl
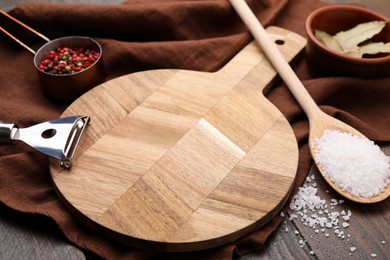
336 18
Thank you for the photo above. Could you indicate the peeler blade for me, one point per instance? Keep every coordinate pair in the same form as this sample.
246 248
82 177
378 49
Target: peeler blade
56 138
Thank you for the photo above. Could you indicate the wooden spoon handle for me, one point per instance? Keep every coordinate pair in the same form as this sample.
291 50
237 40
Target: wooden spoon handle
277 60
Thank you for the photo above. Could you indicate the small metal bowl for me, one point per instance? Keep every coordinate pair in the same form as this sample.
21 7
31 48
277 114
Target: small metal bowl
69 87
335 18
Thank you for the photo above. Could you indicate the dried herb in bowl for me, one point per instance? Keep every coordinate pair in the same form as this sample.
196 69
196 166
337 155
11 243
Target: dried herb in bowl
356 41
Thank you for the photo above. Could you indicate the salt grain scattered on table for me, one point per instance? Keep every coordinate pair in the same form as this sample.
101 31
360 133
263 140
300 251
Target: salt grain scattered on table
354 164
315 213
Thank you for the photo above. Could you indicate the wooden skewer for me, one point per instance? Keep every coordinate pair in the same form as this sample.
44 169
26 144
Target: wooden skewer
25 26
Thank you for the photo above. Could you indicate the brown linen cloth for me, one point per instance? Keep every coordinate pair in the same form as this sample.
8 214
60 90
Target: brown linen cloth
141 35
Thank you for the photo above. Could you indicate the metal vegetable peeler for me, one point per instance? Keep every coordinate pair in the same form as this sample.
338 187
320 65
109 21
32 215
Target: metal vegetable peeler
56 138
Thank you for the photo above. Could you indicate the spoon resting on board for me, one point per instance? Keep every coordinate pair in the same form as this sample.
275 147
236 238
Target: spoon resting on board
318 120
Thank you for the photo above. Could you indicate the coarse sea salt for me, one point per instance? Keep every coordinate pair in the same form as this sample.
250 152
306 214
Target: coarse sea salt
313 210
314 213
354 164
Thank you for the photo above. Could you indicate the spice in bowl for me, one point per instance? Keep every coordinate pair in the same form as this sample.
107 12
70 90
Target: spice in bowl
356 41
79 79
67 60
333 19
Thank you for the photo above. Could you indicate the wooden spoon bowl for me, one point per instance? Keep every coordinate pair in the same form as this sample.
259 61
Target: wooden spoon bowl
320 122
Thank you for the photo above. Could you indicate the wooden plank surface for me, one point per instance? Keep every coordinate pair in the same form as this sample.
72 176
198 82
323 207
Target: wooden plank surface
189 160
33 237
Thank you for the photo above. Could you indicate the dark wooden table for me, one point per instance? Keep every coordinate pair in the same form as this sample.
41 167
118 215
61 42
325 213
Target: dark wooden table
366 237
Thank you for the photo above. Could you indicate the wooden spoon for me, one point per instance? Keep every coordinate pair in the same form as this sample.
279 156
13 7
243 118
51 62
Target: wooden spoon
319 121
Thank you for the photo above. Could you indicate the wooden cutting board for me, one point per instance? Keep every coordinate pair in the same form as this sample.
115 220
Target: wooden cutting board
177 160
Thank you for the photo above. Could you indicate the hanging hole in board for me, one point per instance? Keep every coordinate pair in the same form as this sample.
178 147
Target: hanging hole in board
279 42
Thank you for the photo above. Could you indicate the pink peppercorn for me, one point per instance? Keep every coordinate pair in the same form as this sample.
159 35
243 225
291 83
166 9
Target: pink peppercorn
64 61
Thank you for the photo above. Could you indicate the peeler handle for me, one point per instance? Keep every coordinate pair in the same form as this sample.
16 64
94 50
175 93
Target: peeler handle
7 132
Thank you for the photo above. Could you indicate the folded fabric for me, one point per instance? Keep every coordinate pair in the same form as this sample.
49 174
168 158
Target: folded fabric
142 35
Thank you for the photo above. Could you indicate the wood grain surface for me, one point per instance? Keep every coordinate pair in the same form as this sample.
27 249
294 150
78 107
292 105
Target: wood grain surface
369 225
179 160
